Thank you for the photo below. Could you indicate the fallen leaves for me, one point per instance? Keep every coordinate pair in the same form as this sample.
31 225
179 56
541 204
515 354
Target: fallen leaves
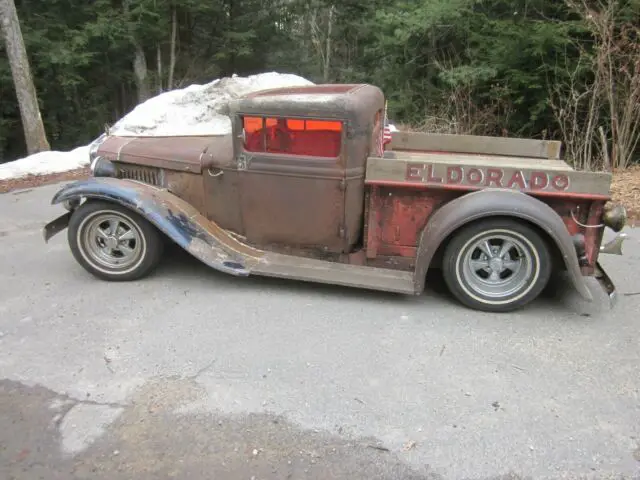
625 189
31 181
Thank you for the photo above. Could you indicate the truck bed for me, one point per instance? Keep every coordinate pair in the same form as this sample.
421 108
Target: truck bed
468 159
476 144
466 162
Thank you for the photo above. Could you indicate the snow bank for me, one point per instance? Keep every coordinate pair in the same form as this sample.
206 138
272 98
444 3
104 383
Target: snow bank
46 162
194 110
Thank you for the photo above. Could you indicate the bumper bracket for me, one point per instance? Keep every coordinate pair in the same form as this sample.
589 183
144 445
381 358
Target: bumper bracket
607 284
56 226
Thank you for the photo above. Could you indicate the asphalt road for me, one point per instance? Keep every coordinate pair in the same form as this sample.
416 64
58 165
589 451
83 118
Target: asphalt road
193 374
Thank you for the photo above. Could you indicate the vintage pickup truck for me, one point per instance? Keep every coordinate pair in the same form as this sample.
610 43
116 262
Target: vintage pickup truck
303 187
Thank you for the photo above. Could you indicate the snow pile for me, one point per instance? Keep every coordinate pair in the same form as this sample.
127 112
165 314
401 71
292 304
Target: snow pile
197 109
194 110
46 162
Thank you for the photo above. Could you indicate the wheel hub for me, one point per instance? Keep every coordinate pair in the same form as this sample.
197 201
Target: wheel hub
111 242
496 265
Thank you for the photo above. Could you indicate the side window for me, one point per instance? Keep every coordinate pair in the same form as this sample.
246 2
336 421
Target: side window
253 138
314 138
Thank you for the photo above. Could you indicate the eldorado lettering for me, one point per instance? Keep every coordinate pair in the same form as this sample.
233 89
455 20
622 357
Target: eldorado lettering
510 178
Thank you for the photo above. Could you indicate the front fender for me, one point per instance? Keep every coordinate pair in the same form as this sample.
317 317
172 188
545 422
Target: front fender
177 219
490 203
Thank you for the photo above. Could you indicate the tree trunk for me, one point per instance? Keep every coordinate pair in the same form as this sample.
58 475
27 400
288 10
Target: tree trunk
327 56
139 59
172 51
232 55
159 68
35 136
140 72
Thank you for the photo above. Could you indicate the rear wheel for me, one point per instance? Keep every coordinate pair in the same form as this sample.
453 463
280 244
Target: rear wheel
497 265
112 242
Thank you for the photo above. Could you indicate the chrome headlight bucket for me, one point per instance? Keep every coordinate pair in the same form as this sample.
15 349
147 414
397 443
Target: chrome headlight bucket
101 167
92 165
615 216
71 204
95 145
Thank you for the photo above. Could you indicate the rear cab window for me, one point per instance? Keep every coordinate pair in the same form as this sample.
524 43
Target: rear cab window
289 136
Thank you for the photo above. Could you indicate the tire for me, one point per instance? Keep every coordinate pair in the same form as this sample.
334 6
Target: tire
505 281
132 253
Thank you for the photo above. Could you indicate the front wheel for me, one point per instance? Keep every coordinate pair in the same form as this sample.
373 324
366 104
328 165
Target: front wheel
496 265
112 242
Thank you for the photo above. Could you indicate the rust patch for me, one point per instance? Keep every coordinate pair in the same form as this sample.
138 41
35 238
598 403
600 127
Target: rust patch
400 215
188 186
593 236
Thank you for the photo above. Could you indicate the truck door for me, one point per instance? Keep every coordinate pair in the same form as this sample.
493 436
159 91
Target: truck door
292 182
221 181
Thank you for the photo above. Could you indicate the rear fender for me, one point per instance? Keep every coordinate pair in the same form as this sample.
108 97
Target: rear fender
491 203
176 218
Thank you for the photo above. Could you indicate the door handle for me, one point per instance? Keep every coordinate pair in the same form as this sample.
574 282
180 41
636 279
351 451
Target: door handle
211 174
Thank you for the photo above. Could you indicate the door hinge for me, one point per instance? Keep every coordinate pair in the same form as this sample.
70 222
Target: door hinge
350 131
342 231
343 184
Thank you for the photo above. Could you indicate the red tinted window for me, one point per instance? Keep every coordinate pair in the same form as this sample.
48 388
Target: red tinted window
253 128
315 138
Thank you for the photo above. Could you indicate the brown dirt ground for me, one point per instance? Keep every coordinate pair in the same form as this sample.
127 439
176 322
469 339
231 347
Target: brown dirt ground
625 187
31 181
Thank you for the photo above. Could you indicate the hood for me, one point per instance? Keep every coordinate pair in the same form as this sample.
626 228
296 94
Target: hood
183 153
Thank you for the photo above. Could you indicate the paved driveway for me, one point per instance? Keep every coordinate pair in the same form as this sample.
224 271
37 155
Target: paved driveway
193 374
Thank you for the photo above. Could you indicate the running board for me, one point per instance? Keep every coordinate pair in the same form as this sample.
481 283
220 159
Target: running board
320 271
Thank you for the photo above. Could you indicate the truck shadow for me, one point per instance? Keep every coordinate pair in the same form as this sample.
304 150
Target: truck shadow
559 295
180 265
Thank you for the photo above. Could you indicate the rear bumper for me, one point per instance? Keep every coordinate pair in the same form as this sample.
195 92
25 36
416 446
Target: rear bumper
607 284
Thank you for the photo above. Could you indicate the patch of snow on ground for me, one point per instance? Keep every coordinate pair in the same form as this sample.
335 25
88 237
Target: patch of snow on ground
46 162
197 109
193 110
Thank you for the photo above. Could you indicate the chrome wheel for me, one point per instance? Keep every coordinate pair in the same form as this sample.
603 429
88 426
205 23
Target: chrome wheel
496 264
111 242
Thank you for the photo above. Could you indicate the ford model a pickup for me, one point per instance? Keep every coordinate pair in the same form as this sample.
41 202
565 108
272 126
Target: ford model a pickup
303 187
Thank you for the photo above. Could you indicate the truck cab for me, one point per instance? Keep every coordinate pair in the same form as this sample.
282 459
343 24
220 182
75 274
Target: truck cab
301 158
303 187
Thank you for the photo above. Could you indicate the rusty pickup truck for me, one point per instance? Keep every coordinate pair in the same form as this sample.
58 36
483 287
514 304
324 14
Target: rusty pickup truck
304 187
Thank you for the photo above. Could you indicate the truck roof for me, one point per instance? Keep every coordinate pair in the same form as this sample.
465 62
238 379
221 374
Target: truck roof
325 100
